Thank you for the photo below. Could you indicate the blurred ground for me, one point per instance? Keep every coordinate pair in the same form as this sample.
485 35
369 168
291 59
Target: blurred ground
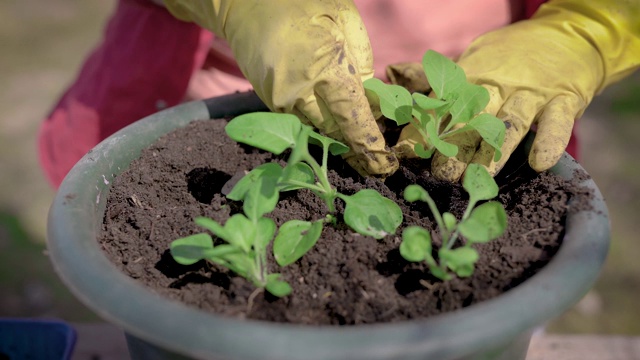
42 45
609 131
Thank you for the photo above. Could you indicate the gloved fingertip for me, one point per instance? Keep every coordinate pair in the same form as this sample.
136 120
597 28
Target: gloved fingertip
404 150
541 159
357 167
380 165
485 158
448 173
496 168
449 170
410 76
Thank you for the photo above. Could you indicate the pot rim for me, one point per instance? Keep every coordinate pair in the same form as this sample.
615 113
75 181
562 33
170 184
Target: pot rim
76 213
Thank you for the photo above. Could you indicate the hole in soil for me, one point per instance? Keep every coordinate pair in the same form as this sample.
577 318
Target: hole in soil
270 298
401 178
190 278
171 269
409 281
217 278
339 319
468 301
445 195
395 264
248 149
204 183
391 132
516 170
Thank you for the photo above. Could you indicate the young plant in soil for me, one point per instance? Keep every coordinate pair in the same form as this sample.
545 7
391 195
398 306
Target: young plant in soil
455 107
367 212
246 235
479 224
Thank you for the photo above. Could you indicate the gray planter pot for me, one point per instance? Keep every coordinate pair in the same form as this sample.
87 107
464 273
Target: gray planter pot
159 328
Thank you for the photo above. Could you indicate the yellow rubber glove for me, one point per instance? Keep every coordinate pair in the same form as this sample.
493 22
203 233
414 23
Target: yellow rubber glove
308 58
543 71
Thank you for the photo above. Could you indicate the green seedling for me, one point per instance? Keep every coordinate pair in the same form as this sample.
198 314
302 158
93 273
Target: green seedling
454 108
259 191
246 235
479 224
367 212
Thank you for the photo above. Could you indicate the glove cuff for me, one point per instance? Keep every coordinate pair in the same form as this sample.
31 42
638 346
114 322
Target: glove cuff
209 14
612 28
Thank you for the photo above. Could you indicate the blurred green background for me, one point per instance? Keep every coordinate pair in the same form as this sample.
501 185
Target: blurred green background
43 44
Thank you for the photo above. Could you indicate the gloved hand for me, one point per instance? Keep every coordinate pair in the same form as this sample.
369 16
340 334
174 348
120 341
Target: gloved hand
543 71
308 58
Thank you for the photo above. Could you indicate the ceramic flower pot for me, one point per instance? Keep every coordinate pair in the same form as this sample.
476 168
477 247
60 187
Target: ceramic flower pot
160 328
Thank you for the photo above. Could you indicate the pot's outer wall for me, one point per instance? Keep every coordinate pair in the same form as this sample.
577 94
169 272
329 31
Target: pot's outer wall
498 329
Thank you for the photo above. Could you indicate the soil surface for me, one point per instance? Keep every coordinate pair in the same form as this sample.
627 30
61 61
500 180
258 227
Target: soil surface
346 278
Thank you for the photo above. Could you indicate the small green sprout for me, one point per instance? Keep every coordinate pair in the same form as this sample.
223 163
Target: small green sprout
455 108
246 235
259 191
479 224
366 211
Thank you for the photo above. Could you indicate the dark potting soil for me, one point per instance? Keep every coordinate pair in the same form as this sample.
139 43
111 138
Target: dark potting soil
346 278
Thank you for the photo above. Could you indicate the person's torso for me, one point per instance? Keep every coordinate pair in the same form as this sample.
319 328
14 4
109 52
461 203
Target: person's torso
399 31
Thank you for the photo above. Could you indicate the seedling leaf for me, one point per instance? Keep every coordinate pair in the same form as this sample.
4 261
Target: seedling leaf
421 115
294 239
241 232
439 272
248 181
222 250
211 225
272 132
416 244
276 286
241 264
422 152
191 249
479 183
449 220
485 223
298 172
446 149
492 131
335 147
237 231
460 259
471 100
415 192
258 190
424 117
370 213
459 256
262 197
395 101
265 229
427 103
465 270
444 75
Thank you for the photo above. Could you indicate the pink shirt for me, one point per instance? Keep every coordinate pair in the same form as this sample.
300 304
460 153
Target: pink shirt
134 71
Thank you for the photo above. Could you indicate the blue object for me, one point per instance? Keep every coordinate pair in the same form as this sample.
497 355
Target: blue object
36 339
